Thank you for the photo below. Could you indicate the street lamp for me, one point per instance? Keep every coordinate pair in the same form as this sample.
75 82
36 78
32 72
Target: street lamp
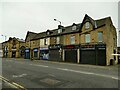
60 51
58 21
4 36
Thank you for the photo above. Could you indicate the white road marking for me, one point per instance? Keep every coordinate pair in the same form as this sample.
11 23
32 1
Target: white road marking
52 75
39 65
22 75
83 72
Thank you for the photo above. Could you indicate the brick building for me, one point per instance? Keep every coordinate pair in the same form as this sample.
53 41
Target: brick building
13 48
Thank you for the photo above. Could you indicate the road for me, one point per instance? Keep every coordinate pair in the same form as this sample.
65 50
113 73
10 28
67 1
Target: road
48 74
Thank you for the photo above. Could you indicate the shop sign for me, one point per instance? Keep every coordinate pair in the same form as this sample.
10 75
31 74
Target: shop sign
13 49
43 48
26 50
35 50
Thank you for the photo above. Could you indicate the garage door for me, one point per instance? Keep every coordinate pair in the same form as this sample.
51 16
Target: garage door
71 56
88 57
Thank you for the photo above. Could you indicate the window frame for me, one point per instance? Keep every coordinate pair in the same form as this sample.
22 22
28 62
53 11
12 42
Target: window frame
72 39
74 27
86 38
58 40
99 38
59 30
45 41
87 25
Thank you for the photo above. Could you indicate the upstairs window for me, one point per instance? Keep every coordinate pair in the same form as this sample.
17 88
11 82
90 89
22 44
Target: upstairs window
87 25
87 38
100 36
45 41
72 40
48 33
58 40
74 27
59 30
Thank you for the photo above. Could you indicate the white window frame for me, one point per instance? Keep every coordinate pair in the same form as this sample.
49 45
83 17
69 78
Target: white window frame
74 27
100 39
57 40
59 30
72 40
87 38
87 25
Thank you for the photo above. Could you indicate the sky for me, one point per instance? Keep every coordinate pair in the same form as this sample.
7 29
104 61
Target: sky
18 16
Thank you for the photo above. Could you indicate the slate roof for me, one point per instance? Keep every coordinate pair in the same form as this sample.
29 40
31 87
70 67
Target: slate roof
20 40
68 29
30 35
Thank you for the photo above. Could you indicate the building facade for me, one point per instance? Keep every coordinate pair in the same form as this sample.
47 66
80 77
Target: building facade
13 48
89 42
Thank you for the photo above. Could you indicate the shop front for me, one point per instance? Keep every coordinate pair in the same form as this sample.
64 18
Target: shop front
44 53
13 53
93 54
35 53
55 52
88 54
27 53
101 54
71 53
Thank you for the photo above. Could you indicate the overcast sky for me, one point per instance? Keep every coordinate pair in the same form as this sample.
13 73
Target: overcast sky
19 17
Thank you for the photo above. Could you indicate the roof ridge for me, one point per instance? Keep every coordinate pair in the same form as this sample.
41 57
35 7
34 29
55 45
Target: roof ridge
103 18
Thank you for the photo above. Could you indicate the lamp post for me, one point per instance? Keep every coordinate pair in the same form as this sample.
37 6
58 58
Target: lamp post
57 21
4 36
60 51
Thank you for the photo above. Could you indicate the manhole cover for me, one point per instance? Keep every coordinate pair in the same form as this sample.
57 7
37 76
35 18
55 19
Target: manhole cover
50 81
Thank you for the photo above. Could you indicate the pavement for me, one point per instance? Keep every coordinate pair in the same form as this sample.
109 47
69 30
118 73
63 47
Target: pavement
49 74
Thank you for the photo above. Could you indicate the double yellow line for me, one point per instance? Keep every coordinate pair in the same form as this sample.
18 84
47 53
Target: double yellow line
13 84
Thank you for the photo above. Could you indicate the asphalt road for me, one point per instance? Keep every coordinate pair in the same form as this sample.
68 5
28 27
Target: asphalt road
48 74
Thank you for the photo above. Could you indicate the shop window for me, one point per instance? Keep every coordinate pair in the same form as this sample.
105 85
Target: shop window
87 38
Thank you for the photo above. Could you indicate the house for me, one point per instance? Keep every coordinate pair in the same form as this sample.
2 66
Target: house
13 48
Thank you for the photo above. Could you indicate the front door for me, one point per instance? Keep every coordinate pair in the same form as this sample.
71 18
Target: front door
13 54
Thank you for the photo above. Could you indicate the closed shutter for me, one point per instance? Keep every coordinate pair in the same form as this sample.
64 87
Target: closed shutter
71 55
54 55
88 57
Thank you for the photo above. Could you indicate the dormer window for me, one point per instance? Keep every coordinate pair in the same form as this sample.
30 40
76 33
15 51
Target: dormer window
74 27
59 30
87 25
48 33
95 24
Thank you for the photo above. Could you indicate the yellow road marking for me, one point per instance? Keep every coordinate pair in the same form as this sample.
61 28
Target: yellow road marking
15 85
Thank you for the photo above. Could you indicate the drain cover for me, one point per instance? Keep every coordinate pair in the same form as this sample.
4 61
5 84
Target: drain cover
50 81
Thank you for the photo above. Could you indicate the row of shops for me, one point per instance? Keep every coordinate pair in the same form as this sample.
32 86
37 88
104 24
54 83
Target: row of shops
85 54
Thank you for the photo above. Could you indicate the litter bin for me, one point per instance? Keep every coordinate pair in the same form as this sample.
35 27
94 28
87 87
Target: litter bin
112 62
